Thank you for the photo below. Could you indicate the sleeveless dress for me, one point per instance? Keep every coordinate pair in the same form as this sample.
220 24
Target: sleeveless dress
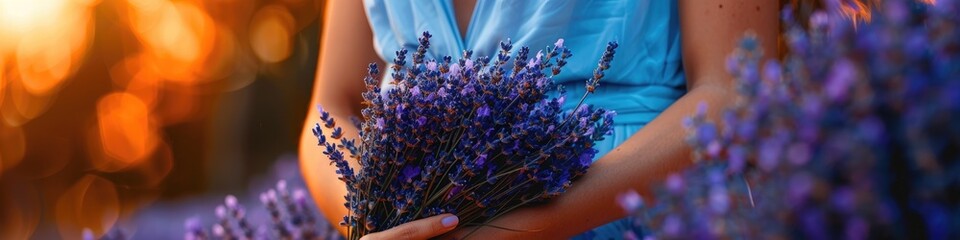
646 75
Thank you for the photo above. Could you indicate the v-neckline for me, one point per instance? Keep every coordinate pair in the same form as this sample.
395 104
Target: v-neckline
462 37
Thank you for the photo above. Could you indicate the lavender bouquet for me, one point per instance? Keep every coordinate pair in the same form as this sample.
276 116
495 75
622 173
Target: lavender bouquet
470 137
855 136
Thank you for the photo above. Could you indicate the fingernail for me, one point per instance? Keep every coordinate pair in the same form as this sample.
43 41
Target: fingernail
450 221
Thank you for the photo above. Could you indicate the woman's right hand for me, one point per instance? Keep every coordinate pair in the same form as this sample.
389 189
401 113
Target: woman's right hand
419 229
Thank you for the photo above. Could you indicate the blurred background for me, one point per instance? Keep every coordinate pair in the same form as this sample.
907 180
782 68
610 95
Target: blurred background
109 108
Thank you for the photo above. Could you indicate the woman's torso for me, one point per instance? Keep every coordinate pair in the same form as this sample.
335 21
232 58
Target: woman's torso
646 75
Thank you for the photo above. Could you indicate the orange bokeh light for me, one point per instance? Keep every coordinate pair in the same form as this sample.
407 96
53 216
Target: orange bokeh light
270 31
128 134
21 106
39 53
176 35
3 78
130 76
91 202
47 50
91 90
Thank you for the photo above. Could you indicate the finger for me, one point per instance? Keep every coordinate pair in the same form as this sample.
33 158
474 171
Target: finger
419 229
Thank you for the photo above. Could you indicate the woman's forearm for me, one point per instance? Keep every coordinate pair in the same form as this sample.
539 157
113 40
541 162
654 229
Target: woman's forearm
346 47
638 164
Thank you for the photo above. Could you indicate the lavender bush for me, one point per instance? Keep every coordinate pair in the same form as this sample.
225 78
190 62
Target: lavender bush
854 135
290 217
470 137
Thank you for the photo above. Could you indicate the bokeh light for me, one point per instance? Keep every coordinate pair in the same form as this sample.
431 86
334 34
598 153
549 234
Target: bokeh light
176 35
128 134
109 106
92 202
270 33
3 78
42 51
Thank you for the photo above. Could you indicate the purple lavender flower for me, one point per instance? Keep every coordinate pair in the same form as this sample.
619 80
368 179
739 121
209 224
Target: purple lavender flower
409 172
477 137
290 217
630 201
853 135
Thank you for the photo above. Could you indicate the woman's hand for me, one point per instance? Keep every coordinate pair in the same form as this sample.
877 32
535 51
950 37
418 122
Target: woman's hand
419 229
521 223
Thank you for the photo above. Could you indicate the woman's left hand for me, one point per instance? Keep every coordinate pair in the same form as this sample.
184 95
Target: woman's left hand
419 229
517 224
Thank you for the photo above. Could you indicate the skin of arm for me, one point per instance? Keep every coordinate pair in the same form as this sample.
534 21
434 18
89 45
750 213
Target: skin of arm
710 30
346 49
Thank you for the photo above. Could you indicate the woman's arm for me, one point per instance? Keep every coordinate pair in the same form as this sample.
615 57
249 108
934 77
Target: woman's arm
710 30
346 47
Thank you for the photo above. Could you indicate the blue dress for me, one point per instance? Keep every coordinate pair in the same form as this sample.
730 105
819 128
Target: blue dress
645 78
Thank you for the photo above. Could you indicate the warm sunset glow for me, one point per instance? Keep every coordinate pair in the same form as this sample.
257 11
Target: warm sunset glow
107 98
